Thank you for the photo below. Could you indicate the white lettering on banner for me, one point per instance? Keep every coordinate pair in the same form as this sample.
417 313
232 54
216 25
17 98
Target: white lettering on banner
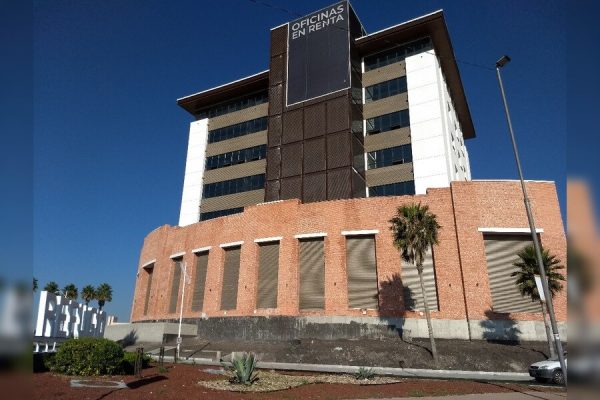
61 317
317 21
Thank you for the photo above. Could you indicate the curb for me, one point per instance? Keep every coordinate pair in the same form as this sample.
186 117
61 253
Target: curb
390 371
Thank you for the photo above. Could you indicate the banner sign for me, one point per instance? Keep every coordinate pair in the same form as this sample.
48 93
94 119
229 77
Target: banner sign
318 54
59 317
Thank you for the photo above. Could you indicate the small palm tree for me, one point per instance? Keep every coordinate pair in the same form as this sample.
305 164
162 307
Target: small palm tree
415 230
525 280
52 287
70 291
35 284
88 293
103 294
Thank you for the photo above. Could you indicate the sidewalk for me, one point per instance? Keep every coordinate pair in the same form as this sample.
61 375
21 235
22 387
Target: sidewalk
493 396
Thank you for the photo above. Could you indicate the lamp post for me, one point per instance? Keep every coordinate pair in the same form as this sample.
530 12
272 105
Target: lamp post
183 266
536 244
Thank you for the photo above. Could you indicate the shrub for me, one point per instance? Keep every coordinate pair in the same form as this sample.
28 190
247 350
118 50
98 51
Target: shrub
242 368
88 356
128 362
364 373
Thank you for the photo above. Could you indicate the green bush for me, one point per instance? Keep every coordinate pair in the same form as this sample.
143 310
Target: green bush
128 362
243 369
88 356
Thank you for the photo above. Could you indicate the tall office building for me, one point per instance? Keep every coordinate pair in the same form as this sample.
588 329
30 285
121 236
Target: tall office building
339 114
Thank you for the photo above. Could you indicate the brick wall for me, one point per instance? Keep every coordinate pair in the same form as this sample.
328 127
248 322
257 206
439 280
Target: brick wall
460 264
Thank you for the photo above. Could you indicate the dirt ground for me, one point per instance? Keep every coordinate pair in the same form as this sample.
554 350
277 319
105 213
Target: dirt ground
453 354
180 382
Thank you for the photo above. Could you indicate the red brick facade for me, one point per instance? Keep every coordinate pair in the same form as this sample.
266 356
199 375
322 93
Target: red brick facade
460 262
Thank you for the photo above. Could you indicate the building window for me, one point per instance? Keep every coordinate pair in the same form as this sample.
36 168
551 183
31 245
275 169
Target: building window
312 274
385 89
235 105
241 129
200 281
175 286
393 189
412 293
220 213
392 156
231 273
396 54
388 122
268 274
361 267
236 157
232 186
150 272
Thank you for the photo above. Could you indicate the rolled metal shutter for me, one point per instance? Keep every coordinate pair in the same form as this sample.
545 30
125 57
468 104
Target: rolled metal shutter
198 294
231 272
362 272
268 271
413 296
312 274
500 253
175 287
150 271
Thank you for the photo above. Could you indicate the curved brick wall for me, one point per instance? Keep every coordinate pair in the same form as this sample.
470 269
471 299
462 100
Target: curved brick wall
461 271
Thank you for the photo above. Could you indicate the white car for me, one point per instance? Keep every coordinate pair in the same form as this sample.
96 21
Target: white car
548 370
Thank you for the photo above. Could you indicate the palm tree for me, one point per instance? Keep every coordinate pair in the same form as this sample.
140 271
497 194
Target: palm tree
103 294
88 293
525 280
52 287
415 230
35 284
70 291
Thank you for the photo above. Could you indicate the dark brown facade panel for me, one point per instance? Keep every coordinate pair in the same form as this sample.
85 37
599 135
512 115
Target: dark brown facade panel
268 274
291 159
315 122
275 100
279 40
314 155
312 274
272 190
292 126
359 185
362 272
338 114
339 150
315 187
274 164
358 155
274 135
231 273
339 183
291 188
277 70
200 281
175 287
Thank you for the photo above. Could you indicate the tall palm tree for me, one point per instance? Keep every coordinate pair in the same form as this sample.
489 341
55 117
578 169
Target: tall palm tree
103 294
52 287
35 284
88 293
525 280
70 291
415 230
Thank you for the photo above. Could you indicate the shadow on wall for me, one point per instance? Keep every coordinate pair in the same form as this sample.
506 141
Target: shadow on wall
500 328
129 339
394 300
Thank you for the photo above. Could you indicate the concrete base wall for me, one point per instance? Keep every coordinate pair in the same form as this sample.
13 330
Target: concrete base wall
331 328
148 332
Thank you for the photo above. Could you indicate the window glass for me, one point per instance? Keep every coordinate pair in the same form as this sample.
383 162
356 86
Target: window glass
221 213
234 186
387 122
396 54
241 129
234 105
393 189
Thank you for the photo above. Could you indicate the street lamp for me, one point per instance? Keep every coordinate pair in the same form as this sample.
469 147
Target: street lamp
536 244
183 267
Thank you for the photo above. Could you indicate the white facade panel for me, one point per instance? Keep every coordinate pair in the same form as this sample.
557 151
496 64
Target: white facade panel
194 172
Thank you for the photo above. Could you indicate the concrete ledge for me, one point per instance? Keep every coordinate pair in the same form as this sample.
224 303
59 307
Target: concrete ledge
400 372
148 332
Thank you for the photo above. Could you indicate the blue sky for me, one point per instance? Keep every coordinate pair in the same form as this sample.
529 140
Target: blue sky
110 141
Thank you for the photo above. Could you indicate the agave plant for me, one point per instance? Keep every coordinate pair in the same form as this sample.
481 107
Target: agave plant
364 374
243 367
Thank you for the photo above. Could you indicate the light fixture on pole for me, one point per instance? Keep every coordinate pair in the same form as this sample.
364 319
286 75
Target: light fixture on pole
183 267
536 243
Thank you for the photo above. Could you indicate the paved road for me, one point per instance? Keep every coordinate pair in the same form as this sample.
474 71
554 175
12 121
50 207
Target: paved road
530 395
